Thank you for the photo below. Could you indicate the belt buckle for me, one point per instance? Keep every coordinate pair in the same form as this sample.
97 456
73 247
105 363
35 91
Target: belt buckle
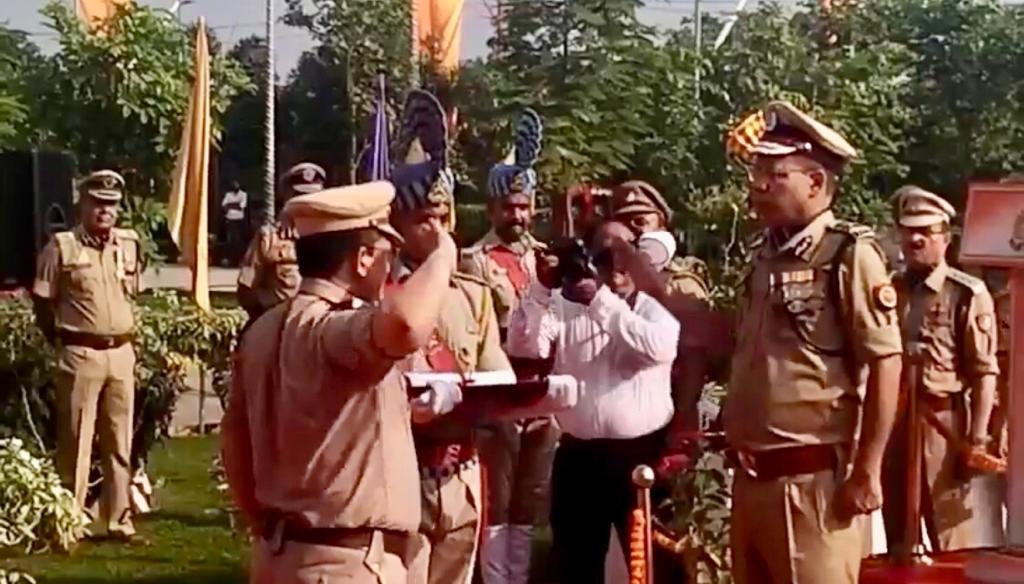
746 460
108 342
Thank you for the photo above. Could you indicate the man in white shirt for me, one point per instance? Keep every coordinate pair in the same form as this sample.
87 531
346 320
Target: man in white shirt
620 344
233 204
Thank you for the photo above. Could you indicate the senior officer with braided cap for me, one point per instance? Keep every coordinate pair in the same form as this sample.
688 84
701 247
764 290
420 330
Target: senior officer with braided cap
465 340
84 291
517 456
317 439
268 274
817 310
949 318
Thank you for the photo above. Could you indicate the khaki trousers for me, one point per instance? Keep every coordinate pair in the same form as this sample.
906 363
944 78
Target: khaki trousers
785 532
450 528
96 393
300 563
517 458
957 510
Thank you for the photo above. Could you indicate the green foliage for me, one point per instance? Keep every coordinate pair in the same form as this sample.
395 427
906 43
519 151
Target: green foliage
17 57
36 512
117 96
172 334
370 36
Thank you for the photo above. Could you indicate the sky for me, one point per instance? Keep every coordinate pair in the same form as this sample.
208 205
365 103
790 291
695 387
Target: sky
237 19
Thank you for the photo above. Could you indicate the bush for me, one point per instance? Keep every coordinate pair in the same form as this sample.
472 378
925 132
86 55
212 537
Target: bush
171 335
36 512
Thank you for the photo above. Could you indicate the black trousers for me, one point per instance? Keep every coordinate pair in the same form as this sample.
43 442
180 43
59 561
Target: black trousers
591 491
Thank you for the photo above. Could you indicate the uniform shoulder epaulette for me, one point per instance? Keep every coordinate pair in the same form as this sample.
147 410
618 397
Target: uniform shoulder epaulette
855 230
463 276
129 234
976 285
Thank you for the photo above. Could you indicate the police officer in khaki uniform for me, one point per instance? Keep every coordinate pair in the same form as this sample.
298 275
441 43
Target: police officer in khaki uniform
85 284
817 310
317 439
950 315
267 273
466 340
517 456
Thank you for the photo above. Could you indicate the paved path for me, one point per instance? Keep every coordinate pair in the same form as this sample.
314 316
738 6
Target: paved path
180 278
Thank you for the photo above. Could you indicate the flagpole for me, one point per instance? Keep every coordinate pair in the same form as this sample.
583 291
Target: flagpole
269 167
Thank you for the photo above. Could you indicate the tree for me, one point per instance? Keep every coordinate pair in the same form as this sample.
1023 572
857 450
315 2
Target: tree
17 56
117 97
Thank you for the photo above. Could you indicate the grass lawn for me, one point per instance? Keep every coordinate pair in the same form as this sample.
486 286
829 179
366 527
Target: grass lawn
189 535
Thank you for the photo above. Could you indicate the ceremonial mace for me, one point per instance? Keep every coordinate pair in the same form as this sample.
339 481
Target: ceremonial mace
640 550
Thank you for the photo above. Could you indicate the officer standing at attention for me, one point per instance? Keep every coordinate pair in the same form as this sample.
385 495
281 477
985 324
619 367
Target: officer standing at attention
84 289
466 340
817 310
317 439
517 456
950 315
268 273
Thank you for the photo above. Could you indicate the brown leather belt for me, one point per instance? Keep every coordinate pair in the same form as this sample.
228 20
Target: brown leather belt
937 403
768 465
98 342
395 542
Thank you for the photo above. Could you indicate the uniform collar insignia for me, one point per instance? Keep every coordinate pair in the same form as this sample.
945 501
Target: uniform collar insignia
803 243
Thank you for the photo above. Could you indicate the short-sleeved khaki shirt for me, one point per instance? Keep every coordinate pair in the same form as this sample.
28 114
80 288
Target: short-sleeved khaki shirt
91 285
268 268
800 350
507 270
327 415
952 315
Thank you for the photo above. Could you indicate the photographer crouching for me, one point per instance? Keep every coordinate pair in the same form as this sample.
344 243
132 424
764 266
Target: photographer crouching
620 344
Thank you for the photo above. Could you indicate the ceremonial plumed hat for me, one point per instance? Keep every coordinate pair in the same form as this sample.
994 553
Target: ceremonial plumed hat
103 185
637 196
516 174
790 131
421 175
916 207
305 178
342 209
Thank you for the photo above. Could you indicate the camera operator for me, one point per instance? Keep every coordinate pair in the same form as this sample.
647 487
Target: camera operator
620 344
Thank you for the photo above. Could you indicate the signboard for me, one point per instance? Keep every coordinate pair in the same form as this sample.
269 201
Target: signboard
993 232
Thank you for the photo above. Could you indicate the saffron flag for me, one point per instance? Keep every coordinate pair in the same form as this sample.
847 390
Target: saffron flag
187 212
438 26
96 12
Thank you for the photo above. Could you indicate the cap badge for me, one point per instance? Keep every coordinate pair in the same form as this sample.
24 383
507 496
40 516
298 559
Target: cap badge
308 174
109 182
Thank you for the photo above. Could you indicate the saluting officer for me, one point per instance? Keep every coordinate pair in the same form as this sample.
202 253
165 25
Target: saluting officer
818 308
951 316
466 340
268 273
517 456
317 438
84 293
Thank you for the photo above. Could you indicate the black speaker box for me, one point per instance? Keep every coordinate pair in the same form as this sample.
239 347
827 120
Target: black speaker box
36 200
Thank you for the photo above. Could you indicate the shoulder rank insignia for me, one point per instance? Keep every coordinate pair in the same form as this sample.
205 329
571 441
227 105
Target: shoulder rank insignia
976 285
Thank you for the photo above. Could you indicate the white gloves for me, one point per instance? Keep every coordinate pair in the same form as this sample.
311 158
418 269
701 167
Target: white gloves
563 392
440 399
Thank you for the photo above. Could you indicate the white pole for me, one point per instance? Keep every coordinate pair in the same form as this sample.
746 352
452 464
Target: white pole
269 170
729 23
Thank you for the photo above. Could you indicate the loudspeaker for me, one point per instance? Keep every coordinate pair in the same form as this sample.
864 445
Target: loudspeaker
37 200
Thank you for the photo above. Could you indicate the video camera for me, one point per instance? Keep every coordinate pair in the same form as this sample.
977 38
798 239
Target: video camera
574 261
